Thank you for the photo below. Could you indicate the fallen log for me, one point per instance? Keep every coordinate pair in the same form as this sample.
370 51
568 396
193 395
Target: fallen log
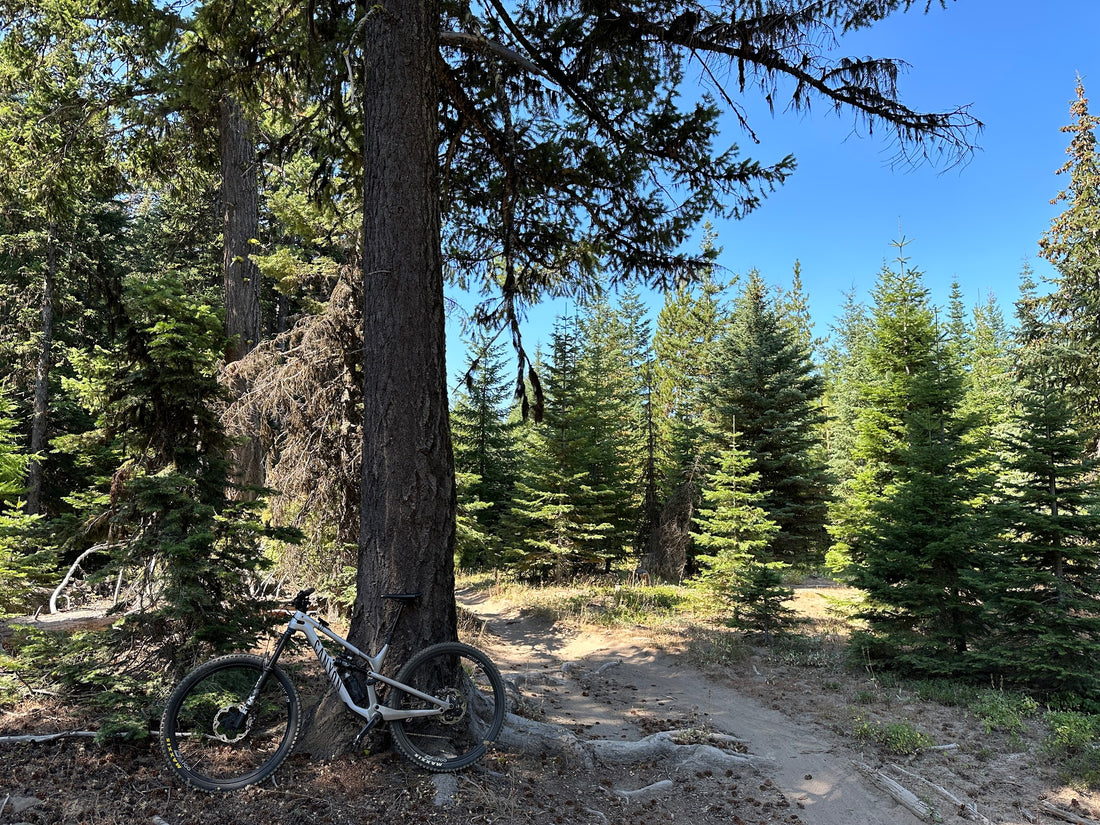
1050 809
967 810
898 792
48 737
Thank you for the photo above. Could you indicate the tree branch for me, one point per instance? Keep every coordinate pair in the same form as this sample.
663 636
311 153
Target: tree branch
463 40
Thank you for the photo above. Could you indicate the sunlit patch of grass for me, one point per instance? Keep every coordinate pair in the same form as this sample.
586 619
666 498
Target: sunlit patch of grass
900 738
610 601
1072 741
716 647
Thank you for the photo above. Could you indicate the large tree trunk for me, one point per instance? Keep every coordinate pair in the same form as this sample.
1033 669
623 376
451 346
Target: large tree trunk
241 277
406 540
40 411
240 225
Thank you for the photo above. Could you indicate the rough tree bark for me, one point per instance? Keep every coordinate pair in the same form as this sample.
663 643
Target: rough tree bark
406 540
407 510
240 224
241 277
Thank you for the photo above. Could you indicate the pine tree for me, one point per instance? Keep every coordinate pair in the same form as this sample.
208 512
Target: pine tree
1046 605
688 326
605 410
473 546
17 567
846 370
989 371
906 526
1072 246
642 434
735 533
485 452
765 386
60 174
165 511
554 520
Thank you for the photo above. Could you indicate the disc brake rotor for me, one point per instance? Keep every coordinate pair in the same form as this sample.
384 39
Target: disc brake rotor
228 725
457 711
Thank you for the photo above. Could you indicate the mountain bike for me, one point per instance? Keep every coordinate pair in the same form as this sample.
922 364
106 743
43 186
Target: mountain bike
233 720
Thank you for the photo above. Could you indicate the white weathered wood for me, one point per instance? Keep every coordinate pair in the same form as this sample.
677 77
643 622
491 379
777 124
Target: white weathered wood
72 571
48 737
900 794
967 810
1050 809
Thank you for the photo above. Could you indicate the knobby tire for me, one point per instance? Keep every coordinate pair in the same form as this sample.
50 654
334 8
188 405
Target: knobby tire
210 744
466 677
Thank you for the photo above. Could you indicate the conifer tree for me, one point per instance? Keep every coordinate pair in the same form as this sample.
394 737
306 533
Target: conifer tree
845 369
735 533
606 412
485 452
765 386
906 527
59 175
17 569
165 512
1072 245
555 511
1046 605
688 326
473 546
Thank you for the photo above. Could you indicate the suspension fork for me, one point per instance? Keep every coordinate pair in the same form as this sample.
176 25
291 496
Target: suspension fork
269 665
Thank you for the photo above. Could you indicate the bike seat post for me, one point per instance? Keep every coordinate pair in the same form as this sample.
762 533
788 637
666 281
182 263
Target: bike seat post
402 600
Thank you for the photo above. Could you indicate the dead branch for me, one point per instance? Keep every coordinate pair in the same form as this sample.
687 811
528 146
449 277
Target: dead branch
48 737
72 571
1050 809
967 810
907 799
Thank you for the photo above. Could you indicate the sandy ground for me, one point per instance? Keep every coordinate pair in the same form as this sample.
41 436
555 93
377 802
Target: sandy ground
626 683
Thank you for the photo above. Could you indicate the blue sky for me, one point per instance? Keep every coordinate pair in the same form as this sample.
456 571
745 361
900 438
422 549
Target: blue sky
1015 62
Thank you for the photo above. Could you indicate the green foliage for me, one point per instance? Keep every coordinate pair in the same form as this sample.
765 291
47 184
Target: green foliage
907 532
1071 246
1001 711
1045 607
1074 740
106 671
575 508
899 738
18 566
486 461
168 511
765 387
736 533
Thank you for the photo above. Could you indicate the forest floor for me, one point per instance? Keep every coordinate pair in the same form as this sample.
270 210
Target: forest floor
817 739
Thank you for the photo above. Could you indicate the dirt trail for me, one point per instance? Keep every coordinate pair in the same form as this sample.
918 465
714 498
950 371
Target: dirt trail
615 685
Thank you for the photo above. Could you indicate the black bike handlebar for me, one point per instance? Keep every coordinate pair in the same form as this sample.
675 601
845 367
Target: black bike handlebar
301 601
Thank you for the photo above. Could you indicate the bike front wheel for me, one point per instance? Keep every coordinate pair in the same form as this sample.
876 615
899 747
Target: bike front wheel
208 737
456 738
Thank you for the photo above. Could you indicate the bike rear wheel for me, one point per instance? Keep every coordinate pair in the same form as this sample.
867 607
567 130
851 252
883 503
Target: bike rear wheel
455 739
208 739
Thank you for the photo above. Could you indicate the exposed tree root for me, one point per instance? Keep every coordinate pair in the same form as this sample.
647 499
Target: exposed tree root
672 748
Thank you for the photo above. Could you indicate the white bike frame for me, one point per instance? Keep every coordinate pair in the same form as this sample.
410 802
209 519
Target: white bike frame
301 622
